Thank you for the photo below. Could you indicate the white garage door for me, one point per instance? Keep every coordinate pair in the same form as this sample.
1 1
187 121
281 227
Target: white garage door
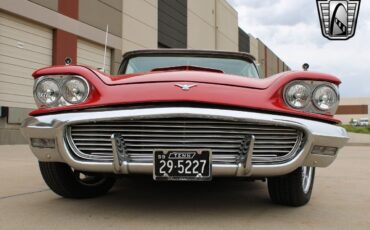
24 47
92 54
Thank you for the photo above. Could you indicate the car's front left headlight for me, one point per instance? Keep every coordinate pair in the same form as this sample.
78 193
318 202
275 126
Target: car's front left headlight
312 96
298 95
47 92
75 90
60 90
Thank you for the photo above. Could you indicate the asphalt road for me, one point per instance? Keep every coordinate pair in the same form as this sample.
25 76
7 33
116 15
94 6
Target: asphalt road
340 200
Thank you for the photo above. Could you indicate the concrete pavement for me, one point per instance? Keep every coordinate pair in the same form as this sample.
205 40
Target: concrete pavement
340 200
358 139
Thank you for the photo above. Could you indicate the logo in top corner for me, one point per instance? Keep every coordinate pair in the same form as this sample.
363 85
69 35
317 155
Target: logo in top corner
338 18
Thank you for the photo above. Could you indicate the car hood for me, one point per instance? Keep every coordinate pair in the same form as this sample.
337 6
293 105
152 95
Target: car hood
186 76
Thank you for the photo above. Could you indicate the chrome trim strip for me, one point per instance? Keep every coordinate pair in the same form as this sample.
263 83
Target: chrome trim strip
53 126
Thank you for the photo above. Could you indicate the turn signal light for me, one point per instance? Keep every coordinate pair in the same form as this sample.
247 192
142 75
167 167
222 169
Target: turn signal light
43 143
324 150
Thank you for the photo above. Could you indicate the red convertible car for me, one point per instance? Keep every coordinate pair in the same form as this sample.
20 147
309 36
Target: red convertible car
186 115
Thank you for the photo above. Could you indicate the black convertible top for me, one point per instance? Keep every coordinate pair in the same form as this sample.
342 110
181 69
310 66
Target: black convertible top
227 54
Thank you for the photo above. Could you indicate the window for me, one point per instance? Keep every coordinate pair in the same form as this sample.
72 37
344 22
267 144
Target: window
232 66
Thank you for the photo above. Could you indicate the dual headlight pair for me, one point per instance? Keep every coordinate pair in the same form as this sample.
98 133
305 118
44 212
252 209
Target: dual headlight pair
312 96
60 90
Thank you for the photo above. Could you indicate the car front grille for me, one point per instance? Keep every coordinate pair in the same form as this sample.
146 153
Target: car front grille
273 144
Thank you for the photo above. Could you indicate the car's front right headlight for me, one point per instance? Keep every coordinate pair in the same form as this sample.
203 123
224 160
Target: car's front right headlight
60 90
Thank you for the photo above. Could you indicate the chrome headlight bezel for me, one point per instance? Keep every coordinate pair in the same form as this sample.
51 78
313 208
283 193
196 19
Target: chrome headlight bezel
60 80
313 85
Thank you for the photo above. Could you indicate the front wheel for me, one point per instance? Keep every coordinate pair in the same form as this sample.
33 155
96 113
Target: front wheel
69 183
293 189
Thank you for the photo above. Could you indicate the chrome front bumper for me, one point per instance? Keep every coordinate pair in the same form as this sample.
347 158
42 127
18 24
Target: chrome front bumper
54 127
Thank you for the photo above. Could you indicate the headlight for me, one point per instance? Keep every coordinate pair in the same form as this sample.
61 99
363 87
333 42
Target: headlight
325 98
75 90
297 95
312 96
60 90
47 92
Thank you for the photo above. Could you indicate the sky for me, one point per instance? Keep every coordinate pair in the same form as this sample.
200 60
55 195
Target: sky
291 28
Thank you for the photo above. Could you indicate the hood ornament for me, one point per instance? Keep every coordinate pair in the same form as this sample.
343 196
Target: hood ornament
185 87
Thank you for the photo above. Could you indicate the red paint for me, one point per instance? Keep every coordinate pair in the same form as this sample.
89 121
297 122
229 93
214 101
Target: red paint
64 45
212 88
68 8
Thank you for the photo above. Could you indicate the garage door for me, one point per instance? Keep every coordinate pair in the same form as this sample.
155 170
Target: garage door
24 47
91 54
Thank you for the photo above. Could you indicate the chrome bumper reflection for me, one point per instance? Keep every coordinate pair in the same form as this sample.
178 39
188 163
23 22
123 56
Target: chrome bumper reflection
55 126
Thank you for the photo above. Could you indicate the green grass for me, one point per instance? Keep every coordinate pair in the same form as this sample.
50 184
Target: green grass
357 129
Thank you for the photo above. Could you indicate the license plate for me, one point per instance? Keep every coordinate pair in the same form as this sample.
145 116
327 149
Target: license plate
194 165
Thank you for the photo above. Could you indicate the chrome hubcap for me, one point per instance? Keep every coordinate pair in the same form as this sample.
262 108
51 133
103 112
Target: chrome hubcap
306 178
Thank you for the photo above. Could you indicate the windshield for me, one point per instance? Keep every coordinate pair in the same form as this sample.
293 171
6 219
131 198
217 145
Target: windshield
227 65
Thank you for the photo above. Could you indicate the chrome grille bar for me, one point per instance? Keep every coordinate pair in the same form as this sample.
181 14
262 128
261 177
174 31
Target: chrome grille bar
91 141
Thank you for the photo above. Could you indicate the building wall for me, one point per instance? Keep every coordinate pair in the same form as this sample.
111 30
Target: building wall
110 11
353 108
355 101
253 46
212 24
24 47
50 4
227 30
60 21
9 133
262 60
244 41
40 33
139 30
201 24
172 23
281 66
92 55
271 63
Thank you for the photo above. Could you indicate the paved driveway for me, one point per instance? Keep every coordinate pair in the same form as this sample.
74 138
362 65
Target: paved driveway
340 200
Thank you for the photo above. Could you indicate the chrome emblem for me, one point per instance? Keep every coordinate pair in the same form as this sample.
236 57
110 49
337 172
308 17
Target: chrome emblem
185 87
338 18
